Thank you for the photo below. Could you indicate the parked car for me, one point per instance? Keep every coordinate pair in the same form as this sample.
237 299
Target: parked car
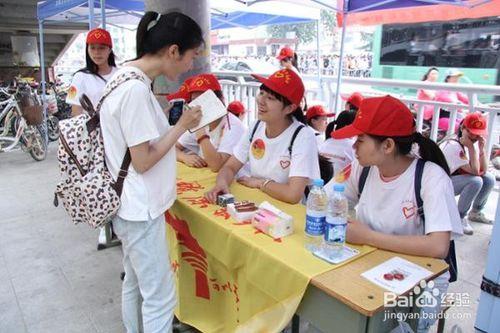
245 65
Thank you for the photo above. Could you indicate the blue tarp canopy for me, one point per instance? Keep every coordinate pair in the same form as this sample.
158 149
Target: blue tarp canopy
225 14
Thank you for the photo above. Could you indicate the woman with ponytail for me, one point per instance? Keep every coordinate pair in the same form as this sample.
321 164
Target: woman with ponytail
387 214
280 149
133 122
338 151
288 59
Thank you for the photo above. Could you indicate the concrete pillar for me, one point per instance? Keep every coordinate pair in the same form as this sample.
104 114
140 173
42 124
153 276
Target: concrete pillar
198 10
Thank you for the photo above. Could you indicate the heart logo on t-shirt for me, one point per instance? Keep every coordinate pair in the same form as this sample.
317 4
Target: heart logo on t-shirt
409 212
284 164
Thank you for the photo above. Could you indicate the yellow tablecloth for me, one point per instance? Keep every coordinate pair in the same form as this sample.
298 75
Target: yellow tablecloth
230 277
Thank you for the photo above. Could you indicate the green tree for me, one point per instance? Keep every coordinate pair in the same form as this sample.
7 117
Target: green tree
305 32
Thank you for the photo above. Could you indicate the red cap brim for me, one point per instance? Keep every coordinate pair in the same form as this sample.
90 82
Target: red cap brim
346 132
480 132
267 83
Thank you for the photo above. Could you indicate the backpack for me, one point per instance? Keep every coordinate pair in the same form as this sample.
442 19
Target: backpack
87 190
325 167
451 258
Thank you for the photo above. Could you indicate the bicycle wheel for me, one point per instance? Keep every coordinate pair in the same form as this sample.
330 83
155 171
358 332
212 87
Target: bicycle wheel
37 147
53 128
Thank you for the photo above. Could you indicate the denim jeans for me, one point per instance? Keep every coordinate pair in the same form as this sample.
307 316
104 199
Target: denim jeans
473 190
148 288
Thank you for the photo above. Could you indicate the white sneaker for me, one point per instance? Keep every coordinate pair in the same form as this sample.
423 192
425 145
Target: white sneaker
476 216
467 227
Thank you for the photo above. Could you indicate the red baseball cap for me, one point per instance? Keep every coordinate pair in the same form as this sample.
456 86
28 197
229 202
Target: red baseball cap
476 123
285 52
355 99
382 116
286 83
182 92
99 36
317 110
236 108
204 82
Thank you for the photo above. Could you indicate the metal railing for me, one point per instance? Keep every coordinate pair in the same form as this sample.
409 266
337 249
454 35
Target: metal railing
325 90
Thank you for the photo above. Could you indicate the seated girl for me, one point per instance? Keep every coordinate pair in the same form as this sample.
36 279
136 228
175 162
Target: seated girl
210 146
280 149
339 152
317 119
387 213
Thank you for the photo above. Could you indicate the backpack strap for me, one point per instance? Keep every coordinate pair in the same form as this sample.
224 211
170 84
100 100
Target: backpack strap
294 136
94 121
118 185
419 171
362 180
254 130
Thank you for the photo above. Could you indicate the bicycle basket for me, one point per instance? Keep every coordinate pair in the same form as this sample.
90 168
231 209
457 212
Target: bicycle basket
30 109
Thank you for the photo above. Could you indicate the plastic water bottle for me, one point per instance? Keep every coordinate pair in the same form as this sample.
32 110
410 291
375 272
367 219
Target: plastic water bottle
336 222
316 206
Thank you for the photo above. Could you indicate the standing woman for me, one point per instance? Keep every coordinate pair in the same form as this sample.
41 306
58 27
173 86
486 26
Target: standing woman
277 167
288 59
131 118
91 80
99 67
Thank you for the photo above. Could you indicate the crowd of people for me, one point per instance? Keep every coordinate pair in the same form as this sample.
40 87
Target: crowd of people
357 65
279 154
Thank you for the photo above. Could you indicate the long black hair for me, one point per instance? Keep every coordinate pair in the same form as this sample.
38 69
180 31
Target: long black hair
426 75
428 149
297 114
343 119
91 67
156 32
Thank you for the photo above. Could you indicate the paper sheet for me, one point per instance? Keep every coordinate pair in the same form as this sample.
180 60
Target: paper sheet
211 108
412 274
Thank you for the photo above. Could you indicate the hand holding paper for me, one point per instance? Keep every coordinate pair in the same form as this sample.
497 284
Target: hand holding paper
211 108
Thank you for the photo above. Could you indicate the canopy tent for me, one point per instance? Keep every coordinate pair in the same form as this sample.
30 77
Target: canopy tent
251 13
224 14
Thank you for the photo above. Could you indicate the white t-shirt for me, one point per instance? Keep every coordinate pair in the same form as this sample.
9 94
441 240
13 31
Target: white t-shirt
270 159
88 84
455 154
339 152
131 115
320 137
391 207
223 137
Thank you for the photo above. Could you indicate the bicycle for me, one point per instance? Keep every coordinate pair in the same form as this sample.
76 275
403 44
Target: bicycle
14 129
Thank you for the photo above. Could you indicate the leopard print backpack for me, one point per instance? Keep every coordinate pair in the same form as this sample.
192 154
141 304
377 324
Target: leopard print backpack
87 190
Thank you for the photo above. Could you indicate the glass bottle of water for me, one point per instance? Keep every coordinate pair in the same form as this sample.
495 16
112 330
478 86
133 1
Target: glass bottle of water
336 222
316 206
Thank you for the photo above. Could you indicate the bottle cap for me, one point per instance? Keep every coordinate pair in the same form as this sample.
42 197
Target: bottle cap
318 182
339 187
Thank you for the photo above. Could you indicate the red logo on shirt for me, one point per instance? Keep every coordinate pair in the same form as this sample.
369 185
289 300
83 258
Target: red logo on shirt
258 149
284 164
409 210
